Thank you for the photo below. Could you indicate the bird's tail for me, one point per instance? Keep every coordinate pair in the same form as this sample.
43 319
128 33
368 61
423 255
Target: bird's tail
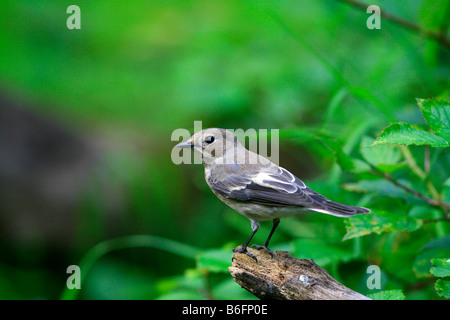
339 210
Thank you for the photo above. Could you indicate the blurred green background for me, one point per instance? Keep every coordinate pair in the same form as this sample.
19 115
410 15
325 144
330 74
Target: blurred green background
85 139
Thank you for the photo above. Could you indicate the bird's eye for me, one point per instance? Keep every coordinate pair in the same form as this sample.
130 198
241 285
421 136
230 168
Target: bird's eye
209 139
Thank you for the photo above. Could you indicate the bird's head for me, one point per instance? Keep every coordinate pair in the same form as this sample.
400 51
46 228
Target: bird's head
212 143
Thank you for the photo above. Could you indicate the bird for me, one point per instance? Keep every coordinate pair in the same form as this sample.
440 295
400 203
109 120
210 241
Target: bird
255 187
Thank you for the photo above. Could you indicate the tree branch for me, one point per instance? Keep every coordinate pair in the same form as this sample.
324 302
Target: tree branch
284 277
438 36
433 202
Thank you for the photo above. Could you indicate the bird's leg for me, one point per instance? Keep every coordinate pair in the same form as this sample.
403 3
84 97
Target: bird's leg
243 248
264 246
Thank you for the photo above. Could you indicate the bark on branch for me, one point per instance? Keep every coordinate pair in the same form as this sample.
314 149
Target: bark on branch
284 277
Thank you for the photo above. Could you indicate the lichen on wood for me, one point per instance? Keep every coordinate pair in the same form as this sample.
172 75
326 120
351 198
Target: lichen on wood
283 277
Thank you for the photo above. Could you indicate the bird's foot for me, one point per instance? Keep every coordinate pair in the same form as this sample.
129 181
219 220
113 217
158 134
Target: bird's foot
259 247
244 250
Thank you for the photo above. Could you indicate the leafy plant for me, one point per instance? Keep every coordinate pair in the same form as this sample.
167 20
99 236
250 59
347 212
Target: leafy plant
388 295
441 269
437 115
394 171
134 73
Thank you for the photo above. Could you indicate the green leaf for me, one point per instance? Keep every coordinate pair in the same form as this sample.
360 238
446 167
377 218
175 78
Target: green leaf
404 134
387 295
344 161
334 103
377 187
435 249
437 114
379 222
446 183
440 268
384 157
216 260
443 288
185 286
321 252
360 166
424 212
228 290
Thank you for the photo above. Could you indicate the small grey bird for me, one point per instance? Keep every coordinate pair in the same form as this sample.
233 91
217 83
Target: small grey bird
254 186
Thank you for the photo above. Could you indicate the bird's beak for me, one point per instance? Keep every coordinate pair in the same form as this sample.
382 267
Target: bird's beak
186 144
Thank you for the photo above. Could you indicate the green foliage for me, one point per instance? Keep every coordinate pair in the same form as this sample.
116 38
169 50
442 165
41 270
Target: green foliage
384 157
321 252
388 295
144 228
443 288
389 163
378 223
405 134
437 114
441 269
214 260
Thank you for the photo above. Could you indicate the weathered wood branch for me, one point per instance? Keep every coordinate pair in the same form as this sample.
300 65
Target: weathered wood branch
284 277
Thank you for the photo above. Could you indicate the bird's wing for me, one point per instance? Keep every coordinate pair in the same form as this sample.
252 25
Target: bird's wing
277 188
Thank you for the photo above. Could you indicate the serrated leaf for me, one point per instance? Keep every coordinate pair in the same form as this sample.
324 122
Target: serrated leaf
443 288
379 222
440 268
437 114
404 134
387 295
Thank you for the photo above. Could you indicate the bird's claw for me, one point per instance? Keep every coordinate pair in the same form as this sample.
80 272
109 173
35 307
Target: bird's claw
244 250
259 247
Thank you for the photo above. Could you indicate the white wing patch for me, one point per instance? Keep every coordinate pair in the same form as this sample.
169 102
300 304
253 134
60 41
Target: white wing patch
283 181
262 178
